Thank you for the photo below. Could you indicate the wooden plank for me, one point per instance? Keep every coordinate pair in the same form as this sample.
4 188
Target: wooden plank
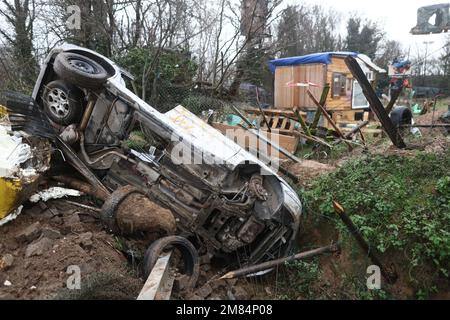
283 93
159 283
289 97
284 123
286 140
375 104
327 116
275 122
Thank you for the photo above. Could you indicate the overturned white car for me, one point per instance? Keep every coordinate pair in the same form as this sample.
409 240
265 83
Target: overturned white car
227 198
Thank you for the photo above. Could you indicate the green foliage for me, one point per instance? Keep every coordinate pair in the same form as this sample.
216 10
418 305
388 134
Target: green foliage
363 37
300 278
196 104
398 203
137 140
167 73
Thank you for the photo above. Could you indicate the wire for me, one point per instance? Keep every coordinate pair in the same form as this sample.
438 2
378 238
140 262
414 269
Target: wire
429 55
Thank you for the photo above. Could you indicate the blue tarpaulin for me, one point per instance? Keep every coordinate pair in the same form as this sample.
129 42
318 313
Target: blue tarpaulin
323 57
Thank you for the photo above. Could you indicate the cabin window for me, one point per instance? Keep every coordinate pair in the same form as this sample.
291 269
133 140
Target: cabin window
359 100
339 85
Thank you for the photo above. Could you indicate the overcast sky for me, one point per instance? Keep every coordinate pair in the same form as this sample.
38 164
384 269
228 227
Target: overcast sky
396 16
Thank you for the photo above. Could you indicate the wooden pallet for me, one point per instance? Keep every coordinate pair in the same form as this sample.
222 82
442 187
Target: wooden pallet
243 138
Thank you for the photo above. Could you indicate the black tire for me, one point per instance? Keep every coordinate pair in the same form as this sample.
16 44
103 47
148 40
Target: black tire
80 70
63 102
109 208
188 252
401 116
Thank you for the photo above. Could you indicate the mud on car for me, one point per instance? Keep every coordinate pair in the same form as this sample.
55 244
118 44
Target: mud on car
232 203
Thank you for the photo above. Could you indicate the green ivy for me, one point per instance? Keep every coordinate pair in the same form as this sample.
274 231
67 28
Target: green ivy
398 203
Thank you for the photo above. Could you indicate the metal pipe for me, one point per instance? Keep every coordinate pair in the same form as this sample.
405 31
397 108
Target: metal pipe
81 167
87 114
270 264
91 162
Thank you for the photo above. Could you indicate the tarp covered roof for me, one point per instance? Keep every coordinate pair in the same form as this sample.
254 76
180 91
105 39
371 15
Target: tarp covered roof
322 57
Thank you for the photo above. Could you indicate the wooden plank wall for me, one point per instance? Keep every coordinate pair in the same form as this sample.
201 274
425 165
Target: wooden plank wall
339 103
287 98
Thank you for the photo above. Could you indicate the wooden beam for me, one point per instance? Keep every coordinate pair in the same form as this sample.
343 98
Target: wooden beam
330 120
314 139
262 111
302 122
323 101
159 283
356 129
394 99
390 276
374 103
239 113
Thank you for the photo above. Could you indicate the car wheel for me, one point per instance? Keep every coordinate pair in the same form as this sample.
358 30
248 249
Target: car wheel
63 102
80 70
189 254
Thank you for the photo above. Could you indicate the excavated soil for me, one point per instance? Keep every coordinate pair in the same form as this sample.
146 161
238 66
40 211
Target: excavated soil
45 241
37 249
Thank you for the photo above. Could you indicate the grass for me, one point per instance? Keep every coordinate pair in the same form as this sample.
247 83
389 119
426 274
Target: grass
400 204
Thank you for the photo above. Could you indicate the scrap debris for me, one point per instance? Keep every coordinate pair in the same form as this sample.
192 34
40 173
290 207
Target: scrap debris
54 193
23 159
133 210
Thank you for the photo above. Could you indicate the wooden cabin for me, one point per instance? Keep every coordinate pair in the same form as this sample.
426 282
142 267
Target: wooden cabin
345 102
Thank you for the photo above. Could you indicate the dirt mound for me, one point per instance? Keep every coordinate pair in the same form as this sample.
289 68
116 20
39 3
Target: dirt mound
308 170
43 243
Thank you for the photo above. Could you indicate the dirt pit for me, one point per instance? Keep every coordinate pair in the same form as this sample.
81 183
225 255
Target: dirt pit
46 243
40 250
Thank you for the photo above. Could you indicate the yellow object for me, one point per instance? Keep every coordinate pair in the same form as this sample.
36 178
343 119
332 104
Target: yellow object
10 194
3 112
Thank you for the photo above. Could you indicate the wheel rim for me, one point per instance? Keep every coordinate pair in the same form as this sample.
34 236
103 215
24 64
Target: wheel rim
58 103
83 66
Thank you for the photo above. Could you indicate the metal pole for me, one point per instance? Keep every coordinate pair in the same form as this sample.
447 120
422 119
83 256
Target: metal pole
391 277
270 264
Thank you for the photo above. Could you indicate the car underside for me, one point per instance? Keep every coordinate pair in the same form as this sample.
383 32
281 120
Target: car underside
230 201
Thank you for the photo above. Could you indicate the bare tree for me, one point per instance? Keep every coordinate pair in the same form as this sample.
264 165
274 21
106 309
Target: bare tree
17 35
304 29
